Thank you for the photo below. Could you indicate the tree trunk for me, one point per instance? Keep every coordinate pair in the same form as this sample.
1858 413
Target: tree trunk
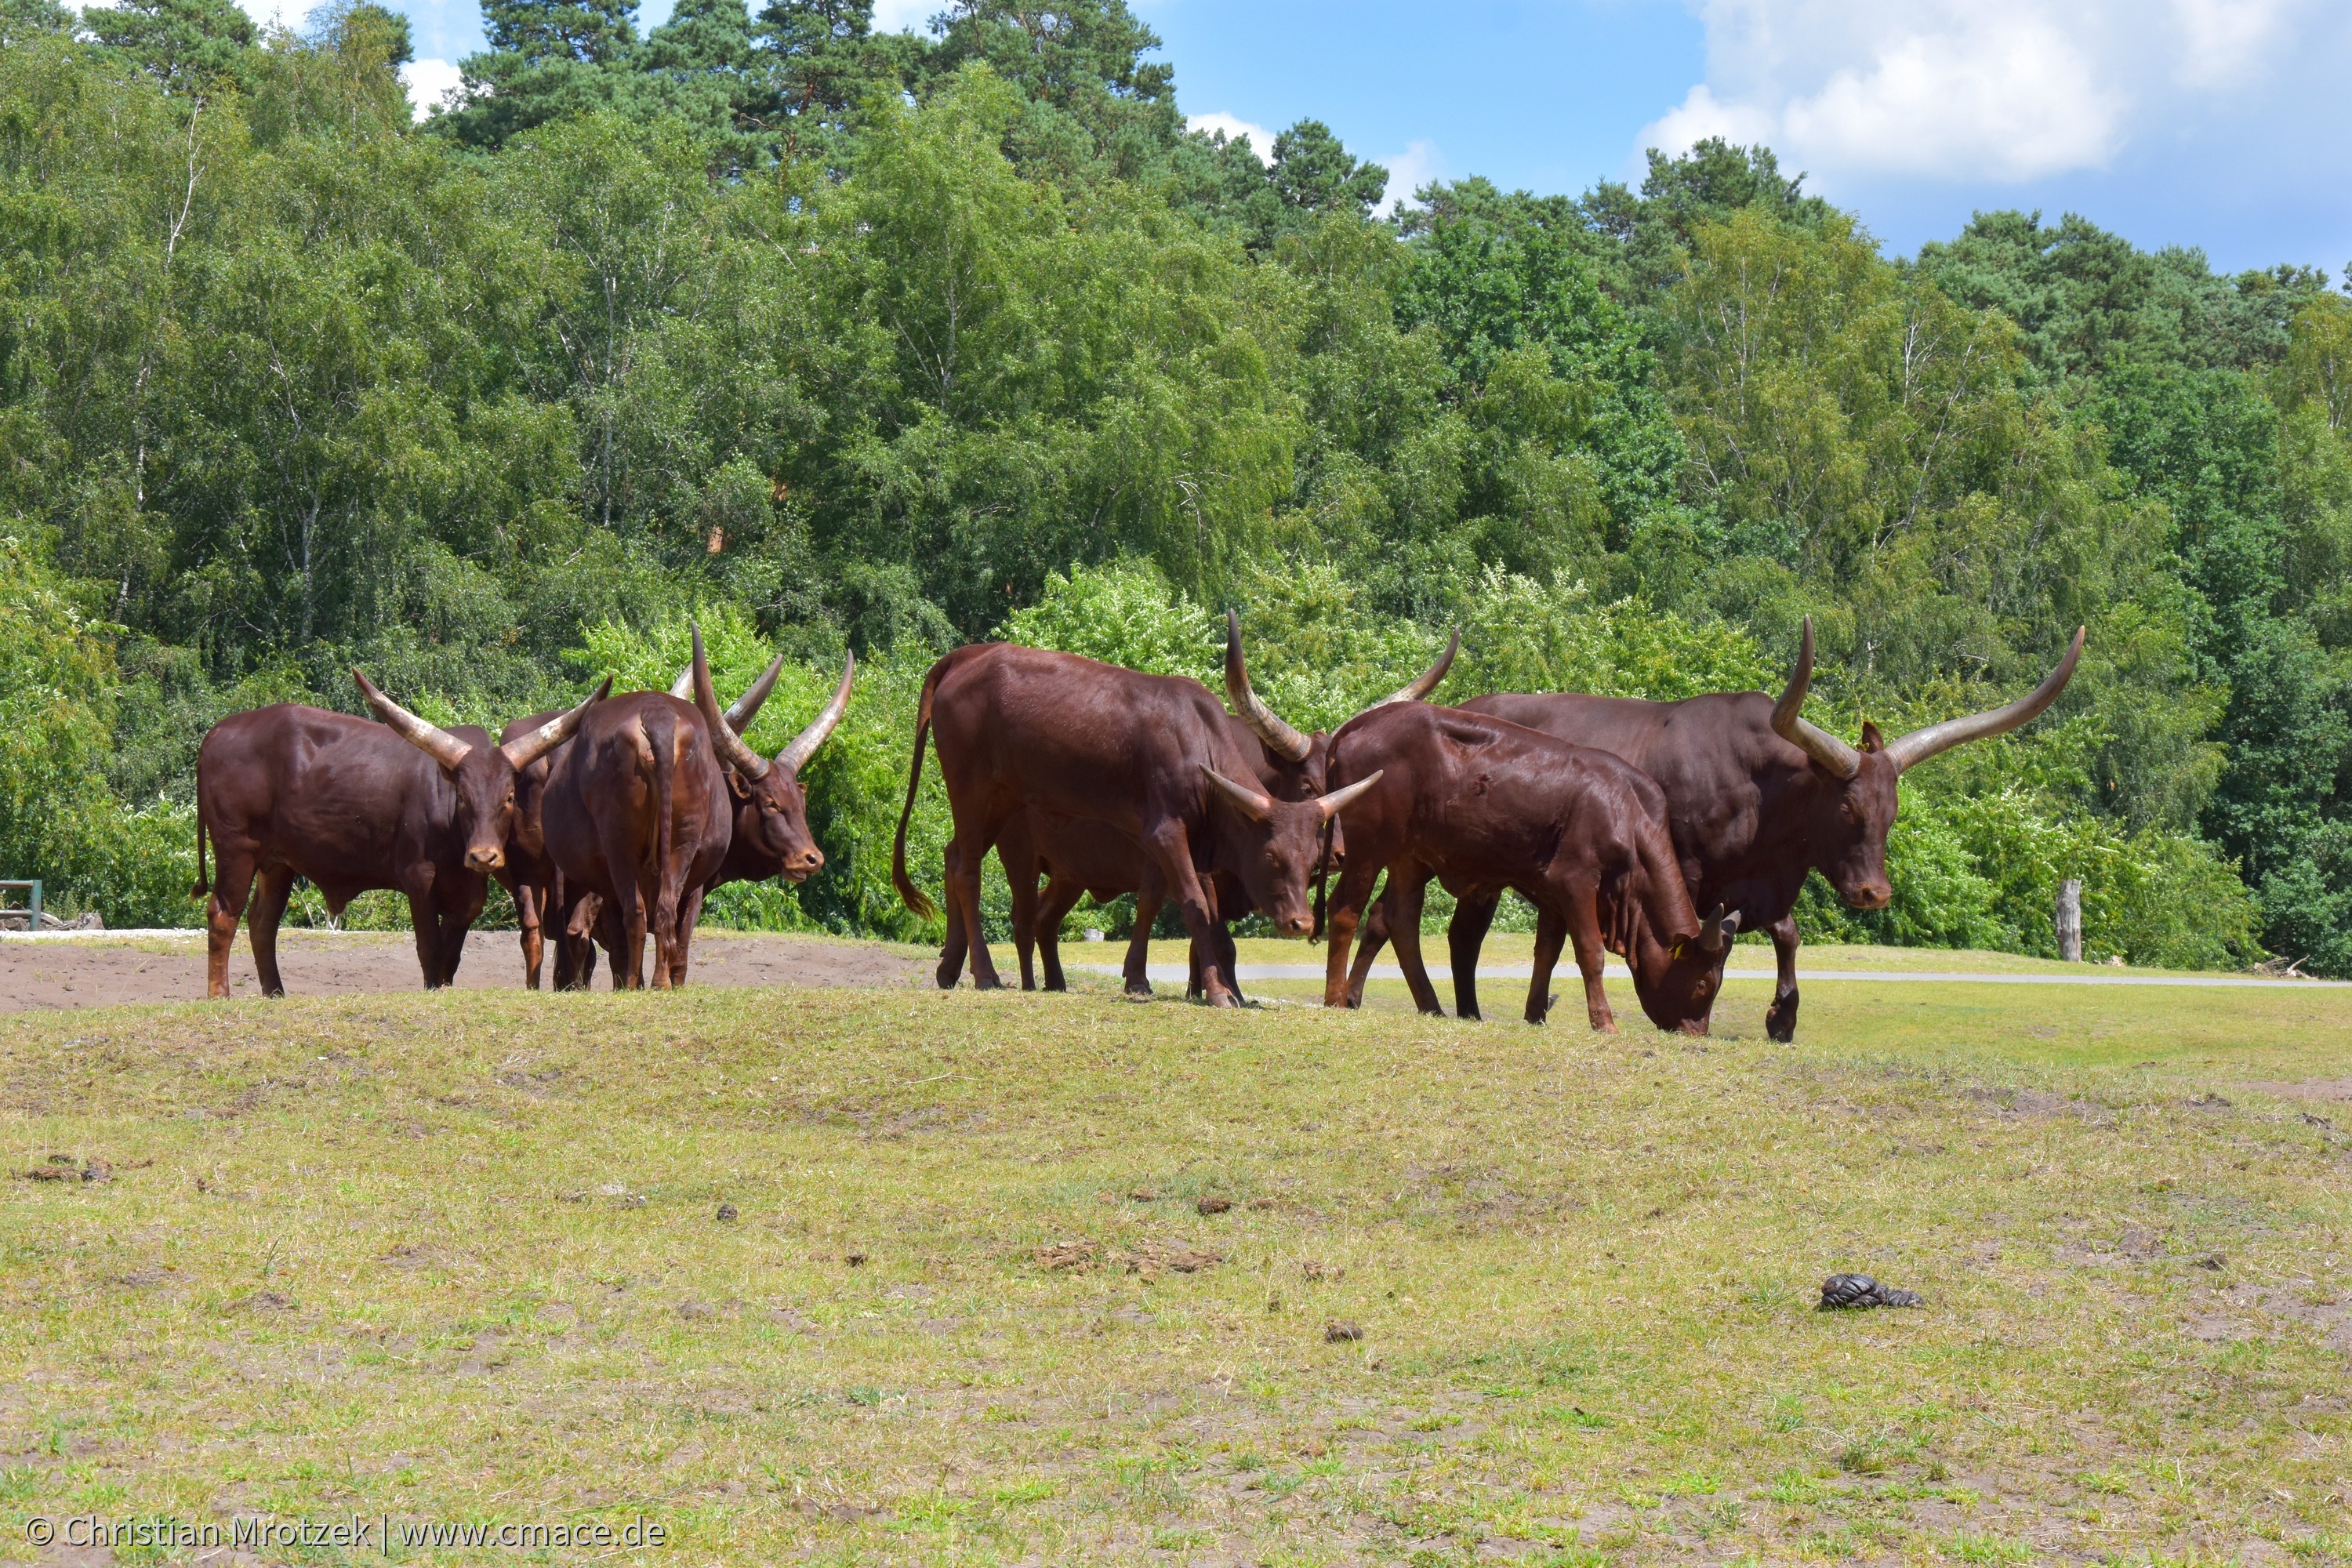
2070 920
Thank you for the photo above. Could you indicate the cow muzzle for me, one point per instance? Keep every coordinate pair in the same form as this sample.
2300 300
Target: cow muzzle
1871 895
492 859
1297 925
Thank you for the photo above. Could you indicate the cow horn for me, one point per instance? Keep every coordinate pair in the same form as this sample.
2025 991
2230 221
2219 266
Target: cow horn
1418 688
431 738
1338 799
794 757
1920 744
1718 929
1251 804
1788 720
723 739
744 709
1280 739
522 753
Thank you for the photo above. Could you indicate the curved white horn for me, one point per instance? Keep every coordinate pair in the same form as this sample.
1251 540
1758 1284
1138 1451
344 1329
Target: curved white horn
1418 688
1338 799
431 738
1789 722
1920 744
794 757
1280 739
530 748
723 739
683 687
1248 802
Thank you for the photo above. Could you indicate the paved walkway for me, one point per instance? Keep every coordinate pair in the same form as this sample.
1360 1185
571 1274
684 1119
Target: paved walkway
1177 973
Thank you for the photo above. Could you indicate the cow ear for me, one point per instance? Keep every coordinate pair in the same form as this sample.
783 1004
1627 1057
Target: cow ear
737 783
1872 741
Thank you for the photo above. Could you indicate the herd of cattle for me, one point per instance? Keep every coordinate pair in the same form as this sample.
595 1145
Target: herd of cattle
1618 820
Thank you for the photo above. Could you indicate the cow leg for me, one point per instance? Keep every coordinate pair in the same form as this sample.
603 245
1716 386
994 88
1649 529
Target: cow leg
456 921
233 871
1345 912
1465 934
1551 932
534 943
270 891
1061 896
1402 903
964 862
689 916
1375 934
1780 1018
1023 882
1583 923
953 950
424 920
1171 846
1136 972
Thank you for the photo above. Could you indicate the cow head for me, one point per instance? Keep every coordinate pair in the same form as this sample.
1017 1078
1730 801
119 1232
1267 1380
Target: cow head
1678 982
1849 813
483 776
1275 843
770 807
1296 764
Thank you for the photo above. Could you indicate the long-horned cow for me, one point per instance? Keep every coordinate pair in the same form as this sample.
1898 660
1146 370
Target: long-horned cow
289 791
1482 804
771 837
1759 797
1147 755
1080 856
637 817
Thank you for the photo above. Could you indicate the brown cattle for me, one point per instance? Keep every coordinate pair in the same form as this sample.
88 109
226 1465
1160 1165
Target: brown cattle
1759 797
1079 856
771 836
639 818
1147 755
1479 803
289 791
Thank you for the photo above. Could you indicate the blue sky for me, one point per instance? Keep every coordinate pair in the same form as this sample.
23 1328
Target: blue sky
2219 123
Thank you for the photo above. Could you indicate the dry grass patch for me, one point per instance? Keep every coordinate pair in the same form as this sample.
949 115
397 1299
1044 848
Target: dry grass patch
460 1257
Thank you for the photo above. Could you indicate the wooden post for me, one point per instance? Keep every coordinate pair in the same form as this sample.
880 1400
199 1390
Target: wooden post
2070 920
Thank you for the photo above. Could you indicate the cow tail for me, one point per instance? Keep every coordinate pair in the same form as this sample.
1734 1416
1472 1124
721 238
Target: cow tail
1322 868
914 897
664 910
204 880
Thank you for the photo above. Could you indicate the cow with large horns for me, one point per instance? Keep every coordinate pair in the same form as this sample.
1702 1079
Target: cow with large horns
638 818
1079 856
772 835
289 791
1481 804
1146 755
1758 797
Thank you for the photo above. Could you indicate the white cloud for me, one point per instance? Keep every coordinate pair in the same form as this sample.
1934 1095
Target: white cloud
2007 89
1261 140
428 82
1418 164
906 15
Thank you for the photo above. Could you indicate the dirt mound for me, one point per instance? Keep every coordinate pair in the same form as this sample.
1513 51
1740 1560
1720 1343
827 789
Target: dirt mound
103 974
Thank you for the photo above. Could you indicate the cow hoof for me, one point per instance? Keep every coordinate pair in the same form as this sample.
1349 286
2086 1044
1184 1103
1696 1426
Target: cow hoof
1781 1022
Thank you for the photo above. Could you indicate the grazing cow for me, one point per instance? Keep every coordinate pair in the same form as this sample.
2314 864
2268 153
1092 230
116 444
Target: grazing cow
289 791
639 818
1081 857
1758 796
1147 755
1479 803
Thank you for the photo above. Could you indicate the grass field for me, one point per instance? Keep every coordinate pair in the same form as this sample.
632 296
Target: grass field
457 1257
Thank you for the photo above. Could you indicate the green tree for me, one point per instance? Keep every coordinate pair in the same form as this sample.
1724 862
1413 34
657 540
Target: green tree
188 45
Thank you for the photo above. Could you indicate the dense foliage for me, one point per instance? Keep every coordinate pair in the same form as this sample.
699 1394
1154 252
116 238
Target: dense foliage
844 342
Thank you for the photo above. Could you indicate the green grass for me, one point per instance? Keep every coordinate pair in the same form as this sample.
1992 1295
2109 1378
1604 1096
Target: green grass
455 1258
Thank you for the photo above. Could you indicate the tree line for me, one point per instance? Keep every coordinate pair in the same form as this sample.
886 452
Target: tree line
841 340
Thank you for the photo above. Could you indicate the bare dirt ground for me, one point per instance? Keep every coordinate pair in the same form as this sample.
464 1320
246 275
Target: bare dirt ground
106 973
